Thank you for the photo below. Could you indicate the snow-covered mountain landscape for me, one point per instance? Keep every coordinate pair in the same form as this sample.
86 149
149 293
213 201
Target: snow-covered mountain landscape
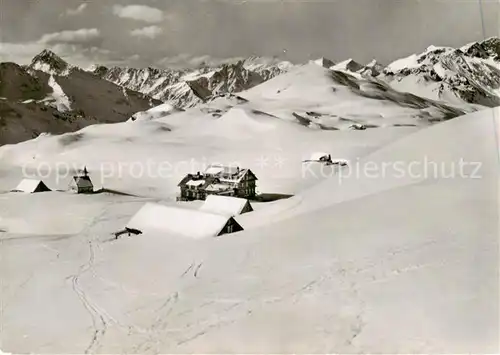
52 96
387 245
187 88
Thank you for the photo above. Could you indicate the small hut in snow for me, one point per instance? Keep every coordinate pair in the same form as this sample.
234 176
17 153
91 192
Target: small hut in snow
226 205
326 158
31 186
81 184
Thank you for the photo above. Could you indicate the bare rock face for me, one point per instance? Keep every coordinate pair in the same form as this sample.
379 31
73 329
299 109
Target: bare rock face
230 78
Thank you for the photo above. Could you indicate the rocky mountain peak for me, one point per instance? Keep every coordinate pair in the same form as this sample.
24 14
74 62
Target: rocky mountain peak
348 65
374 68
49 62
324 62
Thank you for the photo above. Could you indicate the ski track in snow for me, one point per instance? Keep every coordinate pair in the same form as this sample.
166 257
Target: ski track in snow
99 322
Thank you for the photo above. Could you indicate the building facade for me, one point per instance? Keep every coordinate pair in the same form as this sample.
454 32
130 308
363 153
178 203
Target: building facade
218 180
82 184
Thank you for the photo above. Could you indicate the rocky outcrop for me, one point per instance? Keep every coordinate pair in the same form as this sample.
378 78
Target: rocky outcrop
230 78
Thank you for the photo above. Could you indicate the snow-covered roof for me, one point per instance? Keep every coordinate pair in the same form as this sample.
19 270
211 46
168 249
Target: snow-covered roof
195 183
28 185
218 169
189 223
231 170
230 206
214 170
228 174
218 187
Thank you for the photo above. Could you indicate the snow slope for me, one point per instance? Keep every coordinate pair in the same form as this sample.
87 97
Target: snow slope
466 77
154 113
329 99
270 129
367 262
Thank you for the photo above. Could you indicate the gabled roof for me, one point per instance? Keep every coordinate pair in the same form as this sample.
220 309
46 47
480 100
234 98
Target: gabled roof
31 185
185 180
196 183
224 205
202 181
228 173
180 221
248 172
216 174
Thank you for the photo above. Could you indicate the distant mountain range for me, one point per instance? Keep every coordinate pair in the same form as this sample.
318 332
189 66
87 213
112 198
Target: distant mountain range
53 96
187 88
459 76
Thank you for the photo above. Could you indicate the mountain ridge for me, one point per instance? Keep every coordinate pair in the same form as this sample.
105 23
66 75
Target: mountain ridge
462 79
52 96
186 88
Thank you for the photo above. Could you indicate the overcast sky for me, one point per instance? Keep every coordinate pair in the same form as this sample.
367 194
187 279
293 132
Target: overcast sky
170 32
